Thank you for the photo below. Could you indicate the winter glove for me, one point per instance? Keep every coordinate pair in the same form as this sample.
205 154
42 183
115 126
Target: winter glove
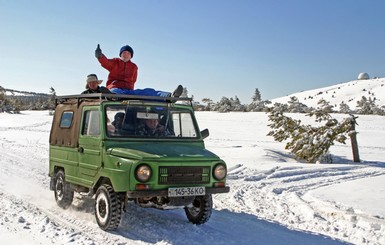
98 52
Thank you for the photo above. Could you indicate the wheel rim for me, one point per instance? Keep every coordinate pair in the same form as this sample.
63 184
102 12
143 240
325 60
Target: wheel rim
102 208
196 208
59 188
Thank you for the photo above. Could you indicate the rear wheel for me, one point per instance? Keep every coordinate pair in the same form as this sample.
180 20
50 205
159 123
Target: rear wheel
108 208
64 194
200 210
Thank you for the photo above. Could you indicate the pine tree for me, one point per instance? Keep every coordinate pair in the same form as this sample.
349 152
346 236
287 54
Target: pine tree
305 141
224 105
257 96
344 108
296 107
17 105
364 106
227 105
236 104
51 100
209 103
325 106
368 106
2 99
258 105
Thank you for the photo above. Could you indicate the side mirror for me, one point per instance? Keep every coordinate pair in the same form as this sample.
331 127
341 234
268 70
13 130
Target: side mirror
205 133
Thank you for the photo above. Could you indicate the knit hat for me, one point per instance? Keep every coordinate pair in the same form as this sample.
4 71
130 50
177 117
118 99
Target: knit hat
127 48
92 78
119 115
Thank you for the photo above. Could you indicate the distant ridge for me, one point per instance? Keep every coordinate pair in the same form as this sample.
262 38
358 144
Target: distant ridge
16 101
348 92
12 92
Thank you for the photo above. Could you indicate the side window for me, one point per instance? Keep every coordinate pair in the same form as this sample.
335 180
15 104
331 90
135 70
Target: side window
183 125
66 119
115 120
91 123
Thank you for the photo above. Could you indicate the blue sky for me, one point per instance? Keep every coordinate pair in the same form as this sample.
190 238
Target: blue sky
215 48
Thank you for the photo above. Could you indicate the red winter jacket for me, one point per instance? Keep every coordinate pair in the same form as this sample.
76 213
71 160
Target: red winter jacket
122 74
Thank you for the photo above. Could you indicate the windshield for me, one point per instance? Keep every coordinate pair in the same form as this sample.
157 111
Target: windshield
149 122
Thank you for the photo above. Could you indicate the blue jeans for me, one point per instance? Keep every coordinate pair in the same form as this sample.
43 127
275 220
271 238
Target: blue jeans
146 92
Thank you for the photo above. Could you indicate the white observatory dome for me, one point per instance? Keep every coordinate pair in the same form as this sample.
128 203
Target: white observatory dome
363 76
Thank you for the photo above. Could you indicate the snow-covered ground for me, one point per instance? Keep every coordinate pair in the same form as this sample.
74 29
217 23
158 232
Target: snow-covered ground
274 199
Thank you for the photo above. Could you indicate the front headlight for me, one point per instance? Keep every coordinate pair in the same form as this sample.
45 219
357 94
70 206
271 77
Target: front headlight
219 171
143 173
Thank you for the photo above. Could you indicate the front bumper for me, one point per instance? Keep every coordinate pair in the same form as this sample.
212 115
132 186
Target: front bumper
154 193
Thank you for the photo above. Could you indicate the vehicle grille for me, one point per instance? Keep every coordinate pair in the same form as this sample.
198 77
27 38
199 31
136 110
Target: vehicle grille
184 175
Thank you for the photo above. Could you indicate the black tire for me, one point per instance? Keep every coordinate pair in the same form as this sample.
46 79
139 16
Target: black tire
201 209
108 208
64 194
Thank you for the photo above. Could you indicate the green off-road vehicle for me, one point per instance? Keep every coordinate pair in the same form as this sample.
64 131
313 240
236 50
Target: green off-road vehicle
122 148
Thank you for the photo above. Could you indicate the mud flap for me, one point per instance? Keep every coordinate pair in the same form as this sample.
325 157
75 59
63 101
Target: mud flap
52 184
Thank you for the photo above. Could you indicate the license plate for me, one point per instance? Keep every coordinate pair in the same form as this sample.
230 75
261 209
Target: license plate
186 191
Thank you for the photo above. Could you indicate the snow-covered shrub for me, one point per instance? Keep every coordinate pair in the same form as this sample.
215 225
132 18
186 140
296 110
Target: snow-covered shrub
344 108
258 105
227 105
297 107
368 107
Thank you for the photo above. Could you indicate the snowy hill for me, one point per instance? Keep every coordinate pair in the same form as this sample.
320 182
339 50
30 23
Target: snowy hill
349 92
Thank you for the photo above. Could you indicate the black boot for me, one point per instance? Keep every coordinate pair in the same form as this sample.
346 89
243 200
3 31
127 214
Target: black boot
178 91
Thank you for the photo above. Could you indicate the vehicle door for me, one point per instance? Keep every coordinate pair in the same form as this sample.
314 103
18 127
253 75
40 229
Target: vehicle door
90 152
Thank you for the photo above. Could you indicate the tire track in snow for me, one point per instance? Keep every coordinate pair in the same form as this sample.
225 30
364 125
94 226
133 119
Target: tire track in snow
31 220
278 195
36 127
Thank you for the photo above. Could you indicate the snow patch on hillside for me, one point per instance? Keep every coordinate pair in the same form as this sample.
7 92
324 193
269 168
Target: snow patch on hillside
349 93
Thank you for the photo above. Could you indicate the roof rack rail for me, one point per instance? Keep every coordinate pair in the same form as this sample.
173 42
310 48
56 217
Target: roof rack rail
119 97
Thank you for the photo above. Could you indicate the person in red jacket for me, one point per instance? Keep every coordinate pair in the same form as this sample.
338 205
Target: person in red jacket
123 73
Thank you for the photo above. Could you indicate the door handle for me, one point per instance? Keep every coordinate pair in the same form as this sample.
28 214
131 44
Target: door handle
81 149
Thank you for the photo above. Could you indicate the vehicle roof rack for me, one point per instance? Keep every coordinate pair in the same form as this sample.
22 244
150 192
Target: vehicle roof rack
119 97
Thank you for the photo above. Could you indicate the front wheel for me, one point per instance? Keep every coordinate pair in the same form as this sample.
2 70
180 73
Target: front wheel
64 194
200 210
108 208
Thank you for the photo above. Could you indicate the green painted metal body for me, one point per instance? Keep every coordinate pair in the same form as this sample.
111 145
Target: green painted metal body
89 158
